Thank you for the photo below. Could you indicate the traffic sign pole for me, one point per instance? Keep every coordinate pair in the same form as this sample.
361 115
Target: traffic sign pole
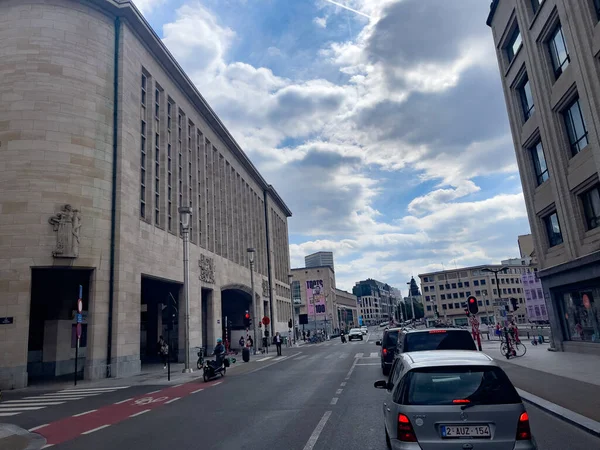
78 329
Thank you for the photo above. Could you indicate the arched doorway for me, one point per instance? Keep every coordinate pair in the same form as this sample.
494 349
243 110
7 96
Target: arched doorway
235 301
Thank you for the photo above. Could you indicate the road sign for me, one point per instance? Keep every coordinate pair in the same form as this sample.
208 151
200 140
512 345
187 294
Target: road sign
266 320
78 331
500 302
79 306
79 318
6 320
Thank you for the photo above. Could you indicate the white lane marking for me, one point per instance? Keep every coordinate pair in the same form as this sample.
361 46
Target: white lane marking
279 358
343 383
272 363
334 401
369 364
153 392
352 369
38 427
300 357
48 445
359 355
264 359
20 405
45 400
95 429
22 408
140 413
218 382
314 437
8 414
343 355
339 391
59 395
84 413
172 400
95 389
124 401
50 399
197 390
177 385
374 355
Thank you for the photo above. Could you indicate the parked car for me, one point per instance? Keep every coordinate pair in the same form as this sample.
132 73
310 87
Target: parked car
364 329
388 345
452 399
355 333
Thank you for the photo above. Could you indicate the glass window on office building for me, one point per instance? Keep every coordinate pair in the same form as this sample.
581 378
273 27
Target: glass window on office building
539 163
513 45
576 129
581 315
591 207
553 229
526 98
558 51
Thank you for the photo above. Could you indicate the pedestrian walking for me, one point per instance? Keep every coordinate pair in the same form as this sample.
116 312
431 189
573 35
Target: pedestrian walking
249 342
163 350
277 341
242 342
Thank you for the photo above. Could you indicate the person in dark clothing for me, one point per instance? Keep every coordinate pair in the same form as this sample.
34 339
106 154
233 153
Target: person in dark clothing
278 341
163 350
219 352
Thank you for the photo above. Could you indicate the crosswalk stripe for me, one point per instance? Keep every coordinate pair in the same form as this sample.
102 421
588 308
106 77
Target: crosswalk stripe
374 355
53 398
78 394
8 414
359 355
29 401
95 389
22 408
300 357
264 359
279 358
15 405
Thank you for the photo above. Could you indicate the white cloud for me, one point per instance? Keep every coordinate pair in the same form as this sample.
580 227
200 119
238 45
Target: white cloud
146 6
320 22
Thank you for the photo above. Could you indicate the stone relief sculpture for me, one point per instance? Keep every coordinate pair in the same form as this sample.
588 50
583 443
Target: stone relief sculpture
67 224
265 288
207 269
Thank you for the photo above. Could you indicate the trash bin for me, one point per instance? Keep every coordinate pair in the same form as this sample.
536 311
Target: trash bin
246 354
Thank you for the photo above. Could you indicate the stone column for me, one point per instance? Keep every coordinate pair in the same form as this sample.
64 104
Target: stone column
214 317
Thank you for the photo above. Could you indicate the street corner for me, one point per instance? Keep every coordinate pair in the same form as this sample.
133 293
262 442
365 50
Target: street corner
13 437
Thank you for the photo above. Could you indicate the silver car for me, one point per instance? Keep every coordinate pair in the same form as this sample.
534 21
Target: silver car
452 400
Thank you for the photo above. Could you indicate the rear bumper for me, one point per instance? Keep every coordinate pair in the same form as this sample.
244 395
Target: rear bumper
399 445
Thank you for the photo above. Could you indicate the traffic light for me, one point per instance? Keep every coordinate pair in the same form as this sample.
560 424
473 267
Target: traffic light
472 305
247 320
514 303
290 323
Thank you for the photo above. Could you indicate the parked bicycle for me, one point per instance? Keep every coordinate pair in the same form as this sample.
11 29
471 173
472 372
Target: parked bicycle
200 362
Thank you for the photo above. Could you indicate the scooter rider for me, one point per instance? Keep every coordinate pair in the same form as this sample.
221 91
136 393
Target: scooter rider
219 352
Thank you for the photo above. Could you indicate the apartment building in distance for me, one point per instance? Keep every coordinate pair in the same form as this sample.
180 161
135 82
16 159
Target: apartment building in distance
319 259
375 301
549 59
446 293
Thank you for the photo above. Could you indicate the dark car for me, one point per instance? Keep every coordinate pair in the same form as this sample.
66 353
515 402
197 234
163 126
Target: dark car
388 346
435 339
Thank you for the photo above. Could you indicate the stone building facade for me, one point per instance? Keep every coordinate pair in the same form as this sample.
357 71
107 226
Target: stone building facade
548 56
102 138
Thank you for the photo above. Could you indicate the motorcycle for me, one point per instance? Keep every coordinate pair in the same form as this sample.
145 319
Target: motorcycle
210 370
343 337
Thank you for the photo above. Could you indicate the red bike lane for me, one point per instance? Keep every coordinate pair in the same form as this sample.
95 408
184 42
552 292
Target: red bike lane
88 422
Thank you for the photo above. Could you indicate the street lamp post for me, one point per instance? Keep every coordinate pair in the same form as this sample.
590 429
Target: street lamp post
251 253
495 272
290 280
185 213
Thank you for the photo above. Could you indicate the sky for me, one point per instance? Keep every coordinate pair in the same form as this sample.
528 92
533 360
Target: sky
381 123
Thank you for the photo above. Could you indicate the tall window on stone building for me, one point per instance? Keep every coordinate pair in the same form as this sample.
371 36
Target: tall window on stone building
576 129
200 166
189 178
169 167
143 155
591 207
179 167
553 229
526 98
539 163
514 44
157 156
558 51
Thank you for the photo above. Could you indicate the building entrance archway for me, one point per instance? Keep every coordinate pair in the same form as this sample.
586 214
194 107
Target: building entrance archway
235 301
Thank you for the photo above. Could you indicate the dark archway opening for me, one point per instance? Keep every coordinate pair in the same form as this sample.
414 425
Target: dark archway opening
52 323
234 304
159 317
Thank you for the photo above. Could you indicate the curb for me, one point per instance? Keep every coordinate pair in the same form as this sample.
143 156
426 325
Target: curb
35 441
584 423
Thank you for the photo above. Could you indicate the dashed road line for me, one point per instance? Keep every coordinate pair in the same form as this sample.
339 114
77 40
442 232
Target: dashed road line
369 364
352 368
172 400
140 413
97 429
343 383
339 391
38 427
84 413
197 390
359 355
314 437
124 401
153 392
334 400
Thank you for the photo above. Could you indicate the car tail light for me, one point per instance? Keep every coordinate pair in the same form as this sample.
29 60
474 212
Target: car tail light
523 430
436 331
405 429
462 400
384 351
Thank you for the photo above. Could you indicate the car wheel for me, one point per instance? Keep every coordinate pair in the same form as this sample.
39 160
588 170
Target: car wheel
361 338
388 442
386 370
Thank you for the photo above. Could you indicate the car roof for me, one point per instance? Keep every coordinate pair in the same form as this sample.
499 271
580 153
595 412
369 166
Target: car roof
441 358
437 330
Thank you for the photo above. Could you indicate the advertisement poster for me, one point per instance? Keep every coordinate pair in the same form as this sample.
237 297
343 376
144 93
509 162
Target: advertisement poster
534 297
315 296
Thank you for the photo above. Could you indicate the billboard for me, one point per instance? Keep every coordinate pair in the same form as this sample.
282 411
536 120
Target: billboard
315 297
534 297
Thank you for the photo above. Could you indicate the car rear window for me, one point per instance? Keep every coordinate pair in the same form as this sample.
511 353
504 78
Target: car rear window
439 340
390 339
458 385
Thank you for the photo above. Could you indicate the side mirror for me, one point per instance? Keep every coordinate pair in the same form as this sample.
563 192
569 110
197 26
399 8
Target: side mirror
381 384
377 342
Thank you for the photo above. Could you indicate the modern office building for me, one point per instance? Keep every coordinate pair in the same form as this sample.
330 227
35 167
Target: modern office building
375 300
548 56
102 138
319 259
315 296
445 293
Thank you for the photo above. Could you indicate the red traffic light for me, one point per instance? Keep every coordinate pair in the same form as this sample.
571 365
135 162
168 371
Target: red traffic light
471 300
472 305
247 316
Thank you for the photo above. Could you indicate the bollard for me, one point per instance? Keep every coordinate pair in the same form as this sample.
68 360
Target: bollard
246 354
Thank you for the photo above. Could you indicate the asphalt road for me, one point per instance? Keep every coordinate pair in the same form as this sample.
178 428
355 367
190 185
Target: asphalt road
318 397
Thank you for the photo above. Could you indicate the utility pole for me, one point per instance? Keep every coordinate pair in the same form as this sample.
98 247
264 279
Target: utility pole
185 213
255 307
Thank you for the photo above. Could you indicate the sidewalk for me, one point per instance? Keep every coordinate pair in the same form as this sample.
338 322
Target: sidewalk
13 437
562 383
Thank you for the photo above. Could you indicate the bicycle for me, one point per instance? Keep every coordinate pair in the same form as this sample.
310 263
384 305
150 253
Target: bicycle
511 347
200 362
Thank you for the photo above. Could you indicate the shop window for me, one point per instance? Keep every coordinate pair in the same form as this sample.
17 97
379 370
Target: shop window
582 315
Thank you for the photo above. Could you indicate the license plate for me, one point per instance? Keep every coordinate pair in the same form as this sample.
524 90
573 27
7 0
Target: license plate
472 431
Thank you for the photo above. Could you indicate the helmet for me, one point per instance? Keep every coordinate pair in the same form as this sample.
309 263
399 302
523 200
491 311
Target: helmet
219 340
